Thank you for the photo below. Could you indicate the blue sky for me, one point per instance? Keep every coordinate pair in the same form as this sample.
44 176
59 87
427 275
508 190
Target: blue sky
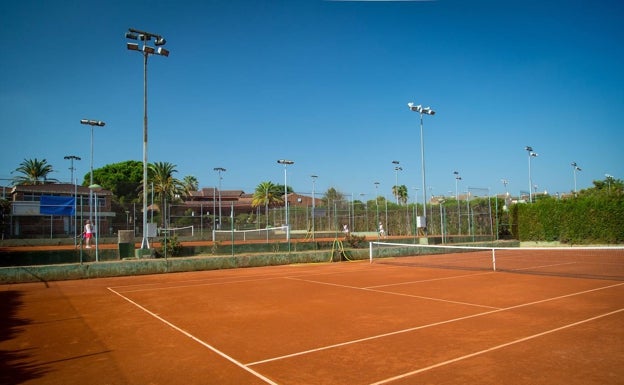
325 84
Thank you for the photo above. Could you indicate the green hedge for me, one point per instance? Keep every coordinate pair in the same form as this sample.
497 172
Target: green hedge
582 220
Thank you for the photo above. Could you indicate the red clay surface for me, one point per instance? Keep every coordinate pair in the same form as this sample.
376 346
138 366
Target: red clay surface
336 323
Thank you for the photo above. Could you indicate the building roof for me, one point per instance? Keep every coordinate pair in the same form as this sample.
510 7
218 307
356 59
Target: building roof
55 188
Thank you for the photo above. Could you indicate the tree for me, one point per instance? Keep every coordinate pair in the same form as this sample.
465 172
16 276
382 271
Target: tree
34 171
609 186
190 184
333 196
400 192
164 186
267 194
122 179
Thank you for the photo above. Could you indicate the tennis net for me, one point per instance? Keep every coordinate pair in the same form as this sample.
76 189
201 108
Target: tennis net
602 262
186 231
267 234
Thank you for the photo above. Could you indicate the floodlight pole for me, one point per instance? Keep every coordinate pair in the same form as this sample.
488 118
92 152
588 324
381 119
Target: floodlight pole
286 162
575 168
609 178
313 202
71 159
91 123
146 50
532 154
426 110
397 168
457 179
219 170
377 208
95 188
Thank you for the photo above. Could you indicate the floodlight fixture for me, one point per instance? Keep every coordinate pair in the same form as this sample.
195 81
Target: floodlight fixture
133 46
285 161
420 109
92 122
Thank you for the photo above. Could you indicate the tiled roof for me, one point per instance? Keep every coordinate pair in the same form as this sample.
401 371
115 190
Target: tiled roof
55 188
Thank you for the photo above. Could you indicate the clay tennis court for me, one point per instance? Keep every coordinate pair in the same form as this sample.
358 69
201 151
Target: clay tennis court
331 323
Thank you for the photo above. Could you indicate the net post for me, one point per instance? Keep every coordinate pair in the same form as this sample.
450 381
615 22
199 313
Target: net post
493 258
370 251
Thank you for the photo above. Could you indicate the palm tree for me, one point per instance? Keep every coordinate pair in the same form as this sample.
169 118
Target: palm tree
267 194
190 183
400 192
164 185
34 172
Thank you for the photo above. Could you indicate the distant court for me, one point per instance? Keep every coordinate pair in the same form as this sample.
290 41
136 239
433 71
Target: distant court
329 323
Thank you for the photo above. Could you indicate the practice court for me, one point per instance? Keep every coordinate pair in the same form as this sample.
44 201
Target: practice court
332 323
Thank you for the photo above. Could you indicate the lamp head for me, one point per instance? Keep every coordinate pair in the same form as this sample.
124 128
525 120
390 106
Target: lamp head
428 111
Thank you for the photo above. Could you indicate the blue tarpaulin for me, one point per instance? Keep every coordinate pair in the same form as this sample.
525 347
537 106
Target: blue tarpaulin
55 205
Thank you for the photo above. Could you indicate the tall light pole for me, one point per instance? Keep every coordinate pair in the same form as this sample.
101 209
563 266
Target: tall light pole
219 170
397 168
95 188
286 162
377 208
422 111
505 182
575 168
457 179
146 50
91 123
532 154
609 178
313 202
71 159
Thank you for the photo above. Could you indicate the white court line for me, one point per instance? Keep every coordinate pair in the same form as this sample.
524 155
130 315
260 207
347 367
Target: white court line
429 325
429 280
393 293
173 287
210 347
408 374
542 266
211 281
